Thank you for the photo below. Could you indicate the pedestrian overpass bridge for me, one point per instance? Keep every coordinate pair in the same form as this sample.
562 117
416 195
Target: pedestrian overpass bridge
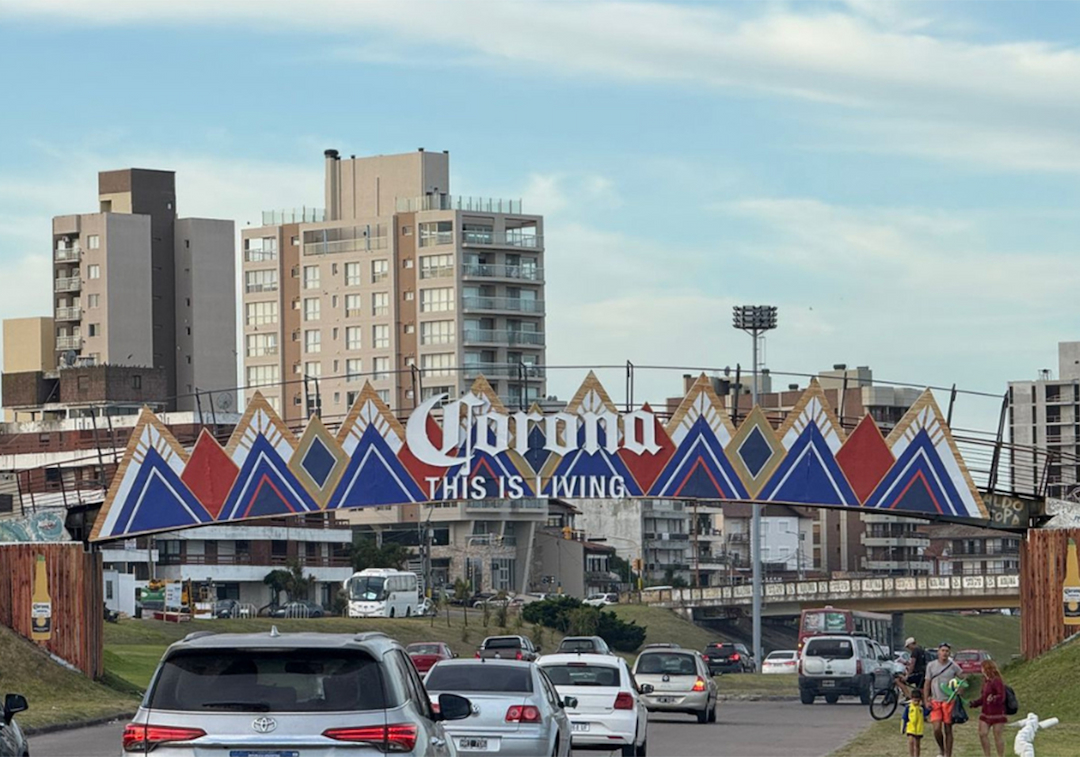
899 594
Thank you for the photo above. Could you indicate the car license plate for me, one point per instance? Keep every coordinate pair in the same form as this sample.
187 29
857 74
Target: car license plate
828 684
475 744
666 700
262 753
579 727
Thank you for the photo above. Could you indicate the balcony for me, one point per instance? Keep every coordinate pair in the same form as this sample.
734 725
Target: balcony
910 540
493 271
360 244
512 239
509 304
257 288
907 566
503 336
68 314
491 540
294 215
457 202
68 342
67 284
67 254
505 370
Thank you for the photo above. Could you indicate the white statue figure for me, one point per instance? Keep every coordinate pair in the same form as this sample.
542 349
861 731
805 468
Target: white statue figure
1024 743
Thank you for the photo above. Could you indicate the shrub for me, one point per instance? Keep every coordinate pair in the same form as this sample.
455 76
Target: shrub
584 621
500 616
569 615
552 612
622 636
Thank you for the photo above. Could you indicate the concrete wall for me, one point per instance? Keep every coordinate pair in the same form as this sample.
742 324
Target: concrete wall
29 345
127 299
1069 361
562 558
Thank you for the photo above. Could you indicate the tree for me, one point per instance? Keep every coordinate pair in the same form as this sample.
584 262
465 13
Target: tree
367 553
278 580
299 584
623 569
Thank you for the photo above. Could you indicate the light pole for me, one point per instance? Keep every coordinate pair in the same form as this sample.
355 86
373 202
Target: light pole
755 320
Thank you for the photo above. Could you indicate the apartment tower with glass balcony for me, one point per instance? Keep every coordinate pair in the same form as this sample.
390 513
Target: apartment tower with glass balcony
397 282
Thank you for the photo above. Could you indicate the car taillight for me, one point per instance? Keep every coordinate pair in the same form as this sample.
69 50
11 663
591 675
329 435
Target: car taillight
735 657
523 714
518 655
400 737
478 655
624 701
144 738
699 684
858 667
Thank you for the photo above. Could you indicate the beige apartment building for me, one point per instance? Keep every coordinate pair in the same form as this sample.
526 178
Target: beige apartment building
398 282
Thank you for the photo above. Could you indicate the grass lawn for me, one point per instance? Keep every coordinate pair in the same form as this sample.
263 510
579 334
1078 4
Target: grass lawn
745 684
55 694
663 625
998 634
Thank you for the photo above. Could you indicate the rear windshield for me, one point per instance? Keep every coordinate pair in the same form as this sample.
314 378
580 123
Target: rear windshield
836 649
306 680
507 642
666 663
577 645
423 649
480 678
967 656
729 648
781 656
582 674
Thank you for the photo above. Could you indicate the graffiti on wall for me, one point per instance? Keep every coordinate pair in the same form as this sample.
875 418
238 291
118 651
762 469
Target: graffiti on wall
45 526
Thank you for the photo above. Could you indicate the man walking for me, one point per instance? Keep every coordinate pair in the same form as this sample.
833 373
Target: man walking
916 665
938 673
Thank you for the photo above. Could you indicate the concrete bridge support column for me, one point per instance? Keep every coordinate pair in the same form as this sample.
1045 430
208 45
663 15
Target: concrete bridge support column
898 634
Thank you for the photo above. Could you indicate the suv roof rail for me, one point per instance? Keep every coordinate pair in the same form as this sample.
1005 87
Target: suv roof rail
199 635
365 635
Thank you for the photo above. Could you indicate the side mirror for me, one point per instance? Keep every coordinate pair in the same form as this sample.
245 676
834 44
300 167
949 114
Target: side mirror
456 654
647 688
454 707
571 702
13 704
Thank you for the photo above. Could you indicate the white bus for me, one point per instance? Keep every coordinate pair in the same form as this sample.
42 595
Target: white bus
382 593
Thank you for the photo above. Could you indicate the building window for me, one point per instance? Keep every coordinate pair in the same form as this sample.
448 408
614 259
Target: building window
384 395
260 313
313 340
353 339
410 296
436 266
407 263
436 232
260 281
437 332
352 306
93 300
312 306
380 303
350 398
353 370
136 382
380 270
93 271
381 368
313 370
439 364
311 277
94 329
410 328
380 337
436 300
258 345
83 383
261 375
261 249
352 275
93 242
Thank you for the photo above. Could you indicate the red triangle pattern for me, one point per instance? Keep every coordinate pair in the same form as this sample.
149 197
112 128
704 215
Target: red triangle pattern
210 474
422 471
865 458
646 468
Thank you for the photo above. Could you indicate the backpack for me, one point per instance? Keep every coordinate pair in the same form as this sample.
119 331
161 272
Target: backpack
1012 704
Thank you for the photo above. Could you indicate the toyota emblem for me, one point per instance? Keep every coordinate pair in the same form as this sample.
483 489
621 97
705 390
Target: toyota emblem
666 678
263 725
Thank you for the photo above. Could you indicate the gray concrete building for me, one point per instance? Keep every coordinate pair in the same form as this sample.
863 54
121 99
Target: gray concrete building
398 282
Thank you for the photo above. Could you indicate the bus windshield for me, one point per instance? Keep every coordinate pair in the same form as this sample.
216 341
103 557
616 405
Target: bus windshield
367 589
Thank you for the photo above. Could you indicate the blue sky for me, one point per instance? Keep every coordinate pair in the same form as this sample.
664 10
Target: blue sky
899 178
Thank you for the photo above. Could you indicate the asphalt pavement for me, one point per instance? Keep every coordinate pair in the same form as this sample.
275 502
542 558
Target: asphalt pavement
744 729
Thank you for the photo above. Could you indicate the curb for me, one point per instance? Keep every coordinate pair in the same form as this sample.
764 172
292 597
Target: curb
758 698
76 724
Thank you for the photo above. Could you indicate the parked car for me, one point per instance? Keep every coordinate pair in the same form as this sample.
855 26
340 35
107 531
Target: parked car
583 645
425 654
837 665
680 682
781 661
482 598
226 608
609 711
516 709
508 648
298 608
601 600
425 607
312 690
728 657
970 660
12 741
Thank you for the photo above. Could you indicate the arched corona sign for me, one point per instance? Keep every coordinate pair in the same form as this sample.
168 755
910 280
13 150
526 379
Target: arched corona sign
473 447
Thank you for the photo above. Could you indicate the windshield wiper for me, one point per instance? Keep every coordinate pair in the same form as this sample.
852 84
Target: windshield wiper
251 706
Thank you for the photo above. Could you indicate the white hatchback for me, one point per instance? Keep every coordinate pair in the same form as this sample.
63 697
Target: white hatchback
781 661
610 713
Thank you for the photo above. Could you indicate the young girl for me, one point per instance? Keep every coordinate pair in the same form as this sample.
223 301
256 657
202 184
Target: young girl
992 701
914 723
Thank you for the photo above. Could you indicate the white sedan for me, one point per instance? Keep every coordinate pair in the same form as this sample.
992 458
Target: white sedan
781 661
601 600
609 711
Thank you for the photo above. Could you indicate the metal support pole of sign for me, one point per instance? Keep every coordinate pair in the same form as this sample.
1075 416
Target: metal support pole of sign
736 390
952 401
999 442
523 400
629 387
198 405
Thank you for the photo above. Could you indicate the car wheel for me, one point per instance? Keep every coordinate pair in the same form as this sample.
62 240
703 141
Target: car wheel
392 612
712 712
408 612
642 750
866 694
703 716
629 750
832 698
806 697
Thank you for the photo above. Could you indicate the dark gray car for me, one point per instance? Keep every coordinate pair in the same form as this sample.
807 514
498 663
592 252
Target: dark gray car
300 693
12 741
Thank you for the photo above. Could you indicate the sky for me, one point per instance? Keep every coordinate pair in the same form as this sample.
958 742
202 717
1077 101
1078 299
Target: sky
898 178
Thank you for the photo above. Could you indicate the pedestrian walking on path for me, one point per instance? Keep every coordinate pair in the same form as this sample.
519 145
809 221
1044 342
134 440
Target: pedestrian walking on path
942 699
992 718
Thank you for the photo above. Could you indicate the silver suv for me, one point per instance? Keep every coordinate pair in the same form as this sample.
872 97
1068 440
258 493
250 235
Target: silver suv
286 694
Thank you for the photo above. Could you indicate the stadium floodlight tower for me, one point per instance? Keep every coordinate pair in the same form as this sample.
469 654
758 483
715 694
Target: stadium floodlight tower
755 320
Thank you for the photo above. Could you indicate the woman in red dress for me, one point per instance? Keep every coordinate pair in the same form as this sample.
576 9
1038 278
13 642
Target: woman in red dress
992 701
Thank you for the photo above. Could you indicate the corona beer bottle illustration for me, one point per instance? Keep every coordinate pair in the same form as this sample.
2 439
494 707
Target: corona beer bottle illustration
1071 587
41 603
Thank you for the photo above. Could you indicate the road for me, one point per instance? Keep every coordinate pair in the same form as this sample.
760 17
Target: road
744 729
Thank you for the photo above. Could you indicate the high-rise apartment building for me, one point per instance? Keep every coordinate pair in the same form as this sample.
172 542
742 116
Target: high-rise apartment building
1044 423
133 285
397 282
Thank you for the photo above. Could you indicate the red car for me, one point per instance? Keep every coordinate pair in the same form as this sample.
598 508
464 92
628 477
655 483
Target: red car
425 654
970 660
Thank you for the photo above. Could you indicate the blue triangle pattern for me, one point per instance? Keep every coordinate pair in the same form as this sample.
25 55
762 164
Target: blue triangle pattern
919 481
809 474
254 489
158 499
683 476
374 476
599 463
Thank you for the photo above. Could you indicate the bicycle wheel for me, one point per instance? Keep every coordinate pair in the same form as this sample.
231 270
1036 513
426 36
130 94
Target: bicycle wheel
883 704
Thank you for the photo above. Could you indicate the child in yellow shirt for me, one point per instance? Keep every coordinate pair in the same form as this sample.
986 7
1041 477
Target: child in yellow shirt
913 724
